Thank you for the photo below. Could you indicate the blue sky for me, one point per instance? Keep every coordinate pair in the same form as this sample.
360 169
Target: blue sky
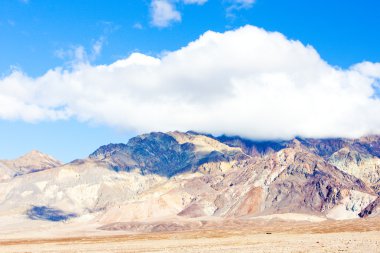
37 36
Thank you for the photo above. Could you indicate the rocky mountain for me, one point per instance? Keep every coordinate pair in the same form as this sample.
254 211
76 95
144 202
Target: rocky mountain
251 147
31 162
166 154
192 176
360 164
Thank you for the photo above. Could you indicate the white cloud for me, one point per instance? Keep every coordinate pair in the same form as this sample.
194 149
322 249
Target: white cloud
248 82
97 47
200 2
236 5
77 55
247 3
243 3
164 13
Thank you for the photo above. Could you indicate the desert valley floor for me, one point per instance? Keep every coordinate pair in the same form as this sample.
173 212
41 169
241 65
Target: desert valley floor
257 235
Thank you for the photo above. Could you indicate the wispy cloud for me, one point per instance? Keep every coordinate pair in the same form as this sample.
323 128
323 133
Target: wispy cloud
237 5
242 4
200 2
164 13
97 47
138 26
11 22
78 55
75 55
249 82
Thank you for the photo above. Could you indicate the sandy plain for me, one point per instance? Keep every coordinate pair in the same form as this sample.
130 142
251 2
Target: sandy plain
242 236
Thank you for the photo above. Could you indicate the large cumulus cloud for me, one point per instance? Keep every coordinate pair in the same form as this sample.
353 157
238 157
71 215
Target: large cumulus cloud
249 82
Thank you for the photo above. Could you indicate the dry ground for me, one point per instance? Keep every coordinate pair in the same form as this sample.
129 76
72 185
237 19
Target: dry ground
243 236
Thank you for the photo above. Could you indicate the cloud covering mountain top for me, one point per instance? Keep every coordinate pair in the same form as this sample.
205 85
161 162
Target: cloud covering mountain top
249 82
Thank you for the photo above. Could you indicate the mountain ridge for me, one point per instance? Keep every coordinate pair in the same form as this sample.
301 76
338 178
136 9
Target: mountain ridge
189 176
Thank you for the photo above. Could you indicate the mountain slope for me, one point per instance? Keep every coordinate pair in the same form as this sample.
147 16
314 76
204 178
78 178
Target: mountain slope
293 179
82 187
359 164
190 176
28 163
165 154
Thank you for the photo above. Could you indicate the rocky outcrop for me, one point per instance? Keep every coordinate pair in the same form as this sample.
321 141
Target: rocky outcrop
360 164
167 154
291 180
373 209
154 153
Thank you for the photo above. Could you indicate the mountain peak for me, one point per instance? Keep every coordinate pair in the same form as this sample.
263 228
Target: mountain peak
34 153
37 156
30 162
166 154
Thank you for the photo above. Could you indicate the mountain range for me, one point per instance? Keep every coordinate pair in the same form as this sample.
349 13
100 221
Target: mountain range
187 177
